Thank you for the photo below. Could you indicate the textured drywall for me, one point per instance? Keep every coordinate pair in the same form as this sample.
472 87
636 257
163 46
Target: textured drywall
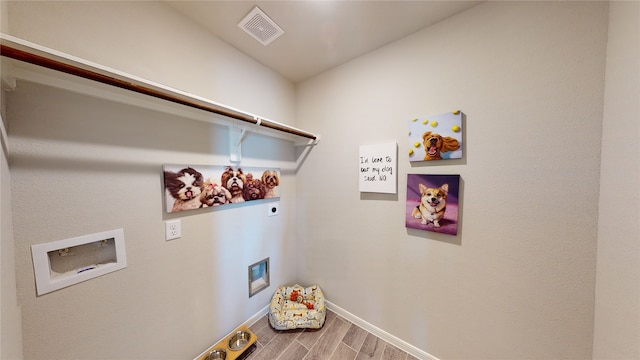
81 165
150 40
517 282
4 23
617 309
10 316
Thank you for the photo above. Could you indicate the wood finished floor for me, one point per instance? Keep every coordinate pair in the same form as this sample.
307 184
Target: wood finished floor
338 339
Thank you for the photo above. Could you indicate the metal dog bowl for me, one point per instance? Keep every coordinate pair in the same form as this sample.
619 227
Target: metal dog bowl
216 355
239 340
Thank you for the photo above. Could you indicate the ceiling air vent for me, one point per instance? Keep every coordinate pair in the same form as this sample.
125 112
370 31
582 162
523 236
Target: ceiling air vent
258 25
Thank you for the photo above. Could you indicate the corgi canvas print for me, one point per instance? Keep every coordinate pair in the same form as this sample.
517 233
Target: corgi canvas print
432 203
437 137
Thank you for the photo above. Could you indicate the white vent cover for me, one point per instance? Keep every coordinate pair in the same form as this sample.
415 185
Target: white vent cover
260 26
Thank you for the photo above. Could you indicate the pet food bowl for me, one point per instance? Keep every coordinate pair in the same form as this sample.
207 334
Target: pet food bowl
216 355
239 340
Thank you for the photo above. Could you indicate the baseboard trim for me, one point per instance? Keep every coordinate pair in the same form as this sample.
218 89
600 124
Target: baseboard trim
391 339
252 320
259 315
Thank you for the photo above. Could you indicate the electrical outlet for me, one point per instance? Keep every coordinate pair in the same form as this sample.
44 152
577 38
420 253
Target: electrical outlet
173 229
273 209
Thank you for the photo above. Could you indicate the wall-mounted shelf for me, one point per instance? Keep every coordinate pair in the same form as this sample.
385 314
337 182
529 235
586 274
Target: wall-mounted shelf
25 52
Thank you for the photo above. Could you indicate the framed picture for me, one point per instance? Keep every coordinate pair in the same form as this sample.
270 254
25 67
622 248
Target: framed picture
437 137
432 203
258 277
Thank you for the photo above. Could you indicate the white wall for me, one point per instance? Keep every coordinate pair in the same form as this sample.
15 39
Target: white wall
81 165
4 16
518 280
10 314
150 40
617 307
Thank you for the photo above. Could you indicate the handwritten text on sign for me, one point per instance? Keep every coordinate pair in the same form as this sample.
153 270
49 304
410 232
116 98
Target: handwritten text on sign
377 170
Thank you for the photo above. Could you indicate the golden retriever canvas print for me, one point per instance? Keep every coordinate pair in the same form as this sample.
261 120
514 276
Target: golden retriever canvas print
432 203
437 137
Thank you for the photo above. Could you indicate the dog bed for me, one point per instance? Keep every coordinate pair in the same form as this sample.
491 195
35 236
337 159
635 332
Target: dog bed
296 307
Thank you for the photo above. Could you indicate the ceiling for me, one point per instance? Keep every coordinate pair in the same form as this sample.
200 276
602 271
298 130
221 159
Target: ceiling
318 35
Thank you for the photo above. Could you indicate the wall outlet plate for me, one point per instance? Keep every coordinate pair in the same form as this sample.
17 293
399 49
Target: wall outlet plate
173 229
273 209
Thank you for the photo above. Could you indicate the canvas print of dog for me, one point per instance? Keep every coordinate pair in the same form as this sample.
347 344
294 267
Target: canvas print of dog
254 189
185 187
233 180
432 203
437 137
436 144
271 180
214 194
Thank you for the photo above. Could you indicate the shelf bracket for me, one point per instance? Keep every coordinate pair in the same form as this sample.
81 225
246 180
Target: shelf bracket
8 81
236 135
310 142
30 53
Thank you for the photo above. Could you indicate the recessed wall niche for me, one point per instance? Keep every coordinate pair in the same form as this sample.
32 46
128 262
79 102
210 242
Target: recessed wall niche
258 276
63 263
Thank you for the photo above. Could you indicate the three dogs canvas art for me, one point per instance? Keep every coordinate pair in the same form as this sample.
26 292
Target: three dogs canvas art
188 188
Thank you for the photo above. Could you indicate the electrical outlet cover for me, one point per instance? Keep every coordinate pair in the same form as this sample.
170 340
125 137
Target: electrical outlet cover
173 229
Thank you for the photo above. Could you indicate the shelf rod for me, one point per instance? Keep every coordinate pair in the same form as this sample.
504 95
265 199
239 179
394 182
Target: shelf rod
35 59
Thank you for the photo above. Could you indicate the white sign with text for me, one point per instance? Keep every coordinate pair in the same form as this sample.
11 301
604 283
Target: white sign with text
378 165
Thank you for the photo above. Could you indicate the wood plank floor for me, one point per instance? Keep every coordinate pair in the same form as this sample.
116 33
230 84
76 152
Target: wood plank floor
338 339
